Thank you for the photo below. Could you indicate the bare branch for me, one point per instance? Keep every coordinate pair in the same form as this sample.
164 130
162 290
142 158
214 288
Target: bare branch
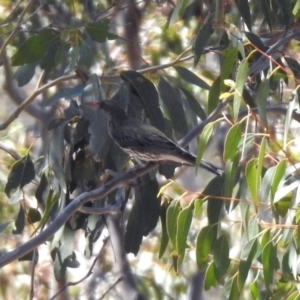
70 209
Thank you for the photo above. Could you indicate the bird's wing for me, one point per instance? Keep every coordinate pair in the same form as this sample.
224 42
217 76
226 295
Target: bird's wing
144 137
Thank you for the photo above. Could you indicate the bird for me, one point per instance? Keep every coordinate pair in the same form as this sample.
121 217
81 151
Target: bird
145 142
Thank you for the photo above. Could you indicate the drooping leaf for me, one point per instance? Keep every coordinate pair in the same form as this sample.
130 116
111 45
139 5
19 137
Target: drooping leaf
190 77
183 226
33 215
67 93
34 48
210 276
270 263
173 106
21 173
244 9
266 10
147 93
248 254
99 31
194 104
232 141
164 238
172 215
214 203
230 56
262 101
20 222
56 154
241 76
204 138
205 240
221 256
179 10
144 214
253 180
214 95
24 73
202 38
256 41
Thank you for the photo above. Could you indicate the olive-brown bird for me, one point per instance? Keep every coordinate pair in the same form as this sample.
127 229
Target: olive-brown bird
145 142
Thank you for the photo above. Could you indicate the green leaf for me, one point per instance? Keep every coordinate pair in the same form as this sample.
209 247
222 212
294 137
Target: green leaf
56 154
266 10
99 31
249 252
262 97
184 221
144 214
202 38
33 215
253 180
278 176
244 9
24 73
241 76
49 203
179 10
172 215
270 263
230 56
20 174
49 60
256 41
234 292
42 190
205 240
232 142
34 48
230 178
254 290
221 256
86 57
148 95
214 202
20 222
214 95
194 104
173 105
164 233
210 277
204 138
191 77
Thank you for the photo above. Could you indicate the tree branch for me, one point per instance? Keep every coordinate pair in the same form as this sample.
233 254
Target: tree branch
29 99
98 194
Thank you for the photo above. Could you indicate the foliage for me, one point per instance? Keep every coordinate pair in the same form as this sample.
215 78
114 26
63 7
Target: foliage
239 76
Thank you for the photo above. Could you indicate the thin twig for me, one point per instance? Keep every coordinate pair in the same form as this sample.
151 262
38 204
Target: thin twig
111 287
89 273
98 194
16 28
29 99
